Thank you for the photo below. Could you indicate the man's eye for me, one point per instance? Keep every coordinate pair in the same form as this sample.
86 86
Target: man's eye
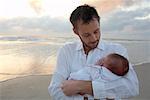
86 35
95 32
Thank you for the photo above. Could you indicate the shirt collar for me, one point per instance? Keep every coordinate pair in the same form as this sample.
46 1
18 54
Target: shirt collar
80 45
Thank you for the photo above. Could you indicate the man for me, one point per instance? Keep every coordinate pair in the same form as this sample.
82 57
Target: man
74 56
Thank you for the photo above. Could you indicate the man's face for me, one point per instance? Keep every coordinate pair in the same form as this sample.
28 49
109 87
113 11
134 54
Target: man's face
89 33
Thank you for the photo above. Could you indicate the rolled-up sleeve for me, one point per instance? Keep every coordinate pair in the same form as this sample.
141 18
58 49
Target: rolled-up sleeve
61 73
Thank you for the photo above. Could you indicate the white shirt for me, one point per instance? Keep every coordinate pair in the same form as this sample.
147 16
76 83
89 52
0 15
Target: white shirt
71 58
96 73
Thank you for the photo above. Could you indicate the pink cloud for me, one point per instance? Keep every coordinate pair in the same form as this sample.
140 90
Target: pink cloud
36 5
105 6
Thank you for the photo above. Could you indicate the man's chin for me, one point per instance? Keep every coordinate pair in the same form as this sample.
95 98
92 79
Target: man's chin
93 47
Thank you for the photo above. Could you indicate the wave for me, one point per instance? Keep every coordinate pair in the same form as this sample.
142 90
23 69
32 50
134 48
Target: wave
2 81
141 63
20 38
64 39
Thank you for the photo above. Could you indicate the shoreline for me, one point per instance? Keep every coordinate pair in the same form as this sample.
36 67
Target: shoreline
138 64
35 87
22 76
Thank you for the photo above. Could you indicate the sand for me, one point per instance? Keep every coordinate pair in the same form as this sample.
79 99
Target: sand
143 72
26 88
35 87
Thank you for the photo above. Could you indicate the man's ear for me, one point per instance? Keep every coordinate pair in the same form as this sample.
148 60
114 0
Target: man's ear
75 31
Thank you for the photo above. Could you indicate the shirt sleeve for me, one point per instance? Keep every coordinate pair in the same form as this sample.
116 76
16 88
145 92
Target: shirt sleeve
82 74
127 86
61 73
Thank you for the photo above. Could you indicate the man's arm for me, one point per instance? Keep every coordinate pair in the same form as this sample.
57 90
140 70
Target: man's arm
72 87
61 74
126 87
76 80
121 88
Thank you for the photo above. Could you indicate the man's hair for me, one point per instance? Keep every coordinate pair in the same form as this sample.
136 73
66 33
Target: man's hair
85 13
124 63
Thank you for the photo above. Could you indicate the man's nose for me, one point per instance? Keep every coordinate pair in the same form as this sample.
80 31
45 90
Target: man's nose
93 37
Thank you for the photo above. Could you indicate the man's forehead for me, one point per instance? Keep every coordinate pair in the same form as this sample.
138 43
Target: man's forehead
80 21
92 25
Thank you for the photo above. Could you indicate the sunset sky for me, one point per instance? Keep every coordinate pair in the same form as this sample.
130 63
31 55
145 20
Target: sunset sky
27 17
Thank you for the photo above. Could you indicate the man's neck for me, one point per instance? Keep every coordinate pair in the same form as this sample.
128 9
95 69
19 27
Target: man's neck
87 50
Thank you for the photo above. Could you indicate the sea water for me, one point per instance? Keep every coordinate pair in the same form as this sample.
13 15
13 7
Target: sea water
23 56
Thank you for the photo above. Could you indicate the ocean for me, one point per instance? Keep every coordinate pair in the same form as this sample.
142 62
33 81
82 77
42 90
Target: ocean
29 55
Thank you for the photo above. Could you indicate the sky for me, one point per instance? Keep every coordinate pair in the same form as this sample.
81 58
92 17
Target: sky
33 17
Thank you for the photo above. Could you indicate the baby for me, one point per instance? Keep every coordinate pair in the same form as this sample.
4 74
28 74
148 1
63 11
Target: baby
107 69
115 63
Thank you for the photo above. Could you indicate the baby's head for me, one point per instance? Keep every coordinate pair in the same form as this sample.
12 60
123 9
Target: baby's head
116 63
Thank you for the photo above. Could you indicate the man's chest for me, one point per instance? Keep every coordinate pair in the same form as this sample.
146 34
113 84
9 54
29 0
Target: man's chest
80 60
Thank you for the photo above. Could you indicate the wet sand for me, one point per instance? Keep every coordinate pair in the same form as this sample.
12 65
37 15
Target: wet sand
143 72
35 87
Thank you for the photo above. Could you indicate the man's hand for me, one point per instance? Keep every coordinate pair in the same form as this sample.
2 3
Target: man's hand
70 87
73 87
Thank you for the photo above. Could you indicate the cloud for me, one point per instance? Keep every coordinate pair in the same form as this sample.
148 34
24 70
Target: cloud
36 5
117 20
127 22
39 25
106 6
143 18
130 2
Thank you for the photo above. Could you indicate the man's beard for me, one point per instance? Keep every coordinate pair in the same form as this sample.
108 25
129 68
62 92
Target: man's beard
88 46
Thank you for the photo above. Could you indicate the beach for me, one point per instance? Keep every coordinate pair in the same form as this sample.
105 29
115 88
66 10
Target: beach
26 67
36 87
33 34
26 88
